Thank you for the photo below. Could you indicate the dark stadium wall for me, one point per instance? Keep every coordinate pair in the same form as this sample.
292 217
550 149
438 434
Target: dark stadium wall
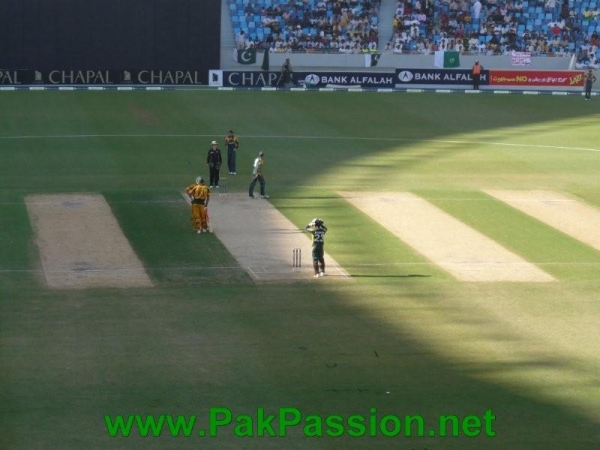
117 35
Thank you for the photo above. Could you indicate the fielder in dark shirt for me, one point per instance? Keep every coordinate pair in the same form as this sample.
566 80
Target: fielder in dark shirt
318 229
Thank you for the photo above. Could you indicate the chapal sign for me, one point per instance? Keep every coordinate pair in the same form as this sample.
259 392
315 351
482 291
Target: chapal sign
100 77
11 77
310 79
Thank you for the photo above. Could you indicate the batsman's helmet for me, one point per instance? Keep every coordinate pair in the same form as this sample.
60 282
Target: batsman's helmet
199 180
318 222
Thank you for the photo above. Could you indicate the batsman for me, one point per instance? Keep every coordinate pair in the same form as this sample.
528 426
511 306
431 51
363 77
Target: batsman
317 228
199 194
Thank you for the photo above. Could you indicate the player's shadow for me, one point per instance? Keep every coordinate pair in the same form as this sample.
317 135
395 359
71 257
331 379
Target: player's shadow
411 275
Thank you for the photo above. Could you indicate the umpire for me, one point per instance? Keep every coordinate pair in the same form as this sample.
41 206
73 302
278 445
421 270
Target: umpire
257 177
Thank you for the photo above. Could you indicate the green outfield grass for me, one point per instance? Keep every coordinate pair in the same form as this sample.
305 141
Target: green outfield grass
402 336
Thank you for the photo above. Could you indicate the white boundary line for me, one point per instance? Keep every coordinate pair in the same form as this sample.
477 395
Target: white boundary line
137 87
355 138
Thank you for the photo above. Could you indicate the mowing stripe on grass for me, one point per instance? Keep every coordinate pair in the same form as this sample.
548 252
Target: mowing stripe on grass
81 243
572 217
337 138
261 239
459 249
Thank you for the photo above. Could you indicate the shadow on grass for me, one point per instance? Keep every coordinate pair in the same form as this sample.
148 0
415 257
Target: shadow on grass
185 351
68 358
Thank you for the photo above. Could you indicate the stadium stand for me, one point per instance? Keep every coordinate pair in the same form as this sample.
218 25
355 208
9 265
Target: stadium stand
490 27
494 27
348 26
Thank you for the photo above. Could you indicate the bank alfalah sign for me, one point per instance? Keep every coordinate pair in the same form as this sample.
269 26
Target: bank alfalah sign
100 77
317 79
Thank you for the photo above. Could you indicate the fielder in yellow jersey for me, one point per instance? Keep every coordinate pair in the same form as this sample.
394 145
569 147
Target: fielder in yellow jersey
199 194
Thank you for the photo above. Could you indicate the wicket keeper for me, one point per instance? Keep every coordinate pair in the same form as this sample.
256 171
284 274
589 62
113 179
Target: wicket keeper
199 194
318 229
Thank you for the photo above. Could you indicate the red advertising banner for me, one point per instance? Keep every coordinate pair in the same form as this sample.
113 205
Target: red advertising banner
565 78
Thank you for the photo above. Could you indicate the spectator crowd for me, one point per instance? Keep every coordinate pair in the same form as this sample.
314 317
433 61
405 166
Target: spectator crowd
344 26
487 27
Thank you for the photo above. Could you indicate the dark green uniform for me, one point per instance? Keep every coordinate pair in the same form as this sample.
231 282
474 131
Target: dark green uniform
318 229
590 78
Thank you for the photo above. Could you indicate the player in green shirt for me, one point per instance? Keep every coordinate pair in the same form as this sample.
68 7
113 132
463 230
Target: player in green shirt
318 229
